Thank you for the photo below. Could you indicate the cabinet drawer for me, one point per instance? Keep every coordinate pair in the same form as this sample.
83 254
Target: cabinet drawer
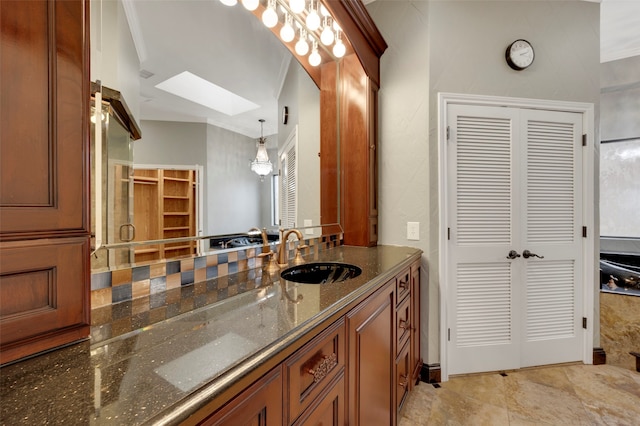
403 285
403 323
402 373
311 368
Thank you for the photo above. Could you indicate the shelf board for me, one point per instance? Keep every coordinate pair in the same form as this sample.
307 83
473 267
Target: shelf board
144 251
177 197
177 228
144 179
176 213
177 248
177 179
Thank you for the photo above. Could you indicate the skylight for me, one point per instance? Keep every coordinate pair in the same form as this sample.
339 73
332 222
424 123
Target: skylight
196 89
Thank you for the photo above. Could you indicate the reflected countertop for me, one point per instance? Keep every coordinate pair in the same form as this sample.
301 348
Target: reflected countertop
160 373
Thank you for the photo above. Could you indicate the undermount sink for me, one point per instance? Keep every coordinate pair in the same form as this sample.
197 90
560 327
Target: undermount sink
321 272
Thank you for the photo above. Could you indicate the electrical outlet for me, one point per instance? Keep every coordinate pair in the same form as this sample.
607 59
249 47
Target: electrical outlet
413 231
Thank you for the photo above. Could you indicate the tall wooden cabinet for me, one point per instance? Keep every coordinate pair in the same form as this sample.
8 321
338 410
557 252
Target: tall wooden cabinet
44 181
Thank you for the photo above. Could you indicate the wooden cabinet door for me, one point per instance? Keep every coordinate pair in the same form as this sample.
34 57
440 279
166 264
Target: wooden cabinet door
44 175
329 410
416 359
259 405
371 359
43 120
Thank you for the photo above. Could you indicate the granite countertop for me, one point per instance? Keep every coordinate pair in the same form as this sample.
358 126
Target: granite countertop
160 373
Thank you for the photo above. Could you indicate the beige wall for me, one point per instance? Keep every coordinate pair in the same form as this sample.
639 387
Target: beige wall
458 46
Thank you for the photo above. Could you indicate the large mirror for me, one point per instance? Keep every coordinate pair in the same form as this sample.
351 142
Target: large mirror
188 176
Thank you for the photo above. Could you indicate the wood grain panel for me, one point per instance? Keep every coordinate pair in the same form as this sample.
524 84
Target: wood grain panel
357 146
43 154
371 362
43 289
24 85
28 292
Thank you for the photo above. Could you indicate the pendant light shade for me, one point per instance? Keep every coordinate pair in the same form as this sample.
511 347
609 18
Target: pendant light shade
261 165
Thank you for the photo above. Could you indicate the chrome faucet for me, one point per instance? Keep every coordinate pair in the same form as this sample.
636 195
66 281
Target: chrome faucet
282 250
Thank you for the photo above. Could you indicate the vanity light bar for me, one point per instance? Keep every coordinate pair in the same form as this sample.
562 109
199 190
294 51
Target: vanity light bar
314 26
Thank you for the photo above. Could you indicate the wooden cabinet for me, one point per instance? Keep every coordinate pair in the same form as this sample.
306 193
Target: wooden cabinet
44 183
416 359
164 207
260 404
359 165
309 371
370 328
357 371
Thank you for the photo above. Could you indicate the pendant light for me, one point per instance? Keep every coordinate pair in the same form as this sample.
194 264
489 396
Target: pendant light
261 165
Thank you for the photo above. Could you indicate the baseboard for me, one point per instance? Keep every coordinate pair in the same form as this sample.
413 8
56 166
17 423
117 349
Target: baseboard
430 373
599 356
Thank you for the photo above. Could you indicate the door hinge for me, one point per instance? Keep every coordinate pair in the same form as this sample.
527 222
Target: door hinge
449 334
584 139
584 232
448 233
584 323
448 132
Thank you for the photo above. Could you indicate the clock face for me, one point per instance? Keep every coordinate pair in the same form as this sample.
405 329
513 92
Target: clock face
520 54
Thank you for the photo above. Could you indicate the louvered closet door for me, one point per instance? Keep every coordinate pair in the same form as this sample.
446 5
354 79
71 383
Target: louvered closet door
512 185
552 227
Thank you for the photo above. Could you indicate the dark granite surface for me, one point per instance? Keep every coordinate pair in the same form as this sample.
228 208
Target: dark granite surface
161 372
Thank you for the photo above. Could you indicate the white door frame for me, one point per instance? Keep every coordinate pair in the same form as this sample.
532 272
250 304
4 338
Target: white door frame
588 252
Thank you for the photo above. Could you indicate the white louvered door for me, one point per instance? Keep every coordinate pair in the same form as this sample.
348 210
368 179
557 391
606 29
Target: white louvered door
513 177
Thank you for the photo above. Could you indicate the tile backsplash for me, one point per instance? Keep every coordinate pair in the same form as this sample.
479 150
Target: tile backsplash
145 281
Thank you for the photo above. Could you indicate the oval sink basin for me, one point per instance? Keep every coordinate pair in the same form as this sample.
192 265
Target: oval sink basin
321 273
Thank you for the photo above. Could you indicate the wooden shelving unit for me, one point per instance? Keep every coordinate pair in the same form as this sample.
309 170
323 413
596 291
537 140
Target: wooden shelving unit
164 208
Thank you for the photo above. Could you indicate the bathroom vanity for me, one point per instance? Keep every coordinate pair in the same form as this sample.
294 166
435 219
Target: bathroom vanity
286 353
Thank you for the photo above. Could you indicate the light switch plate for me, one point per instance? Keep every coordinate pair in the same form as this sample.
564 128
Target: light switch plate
307 223
413 231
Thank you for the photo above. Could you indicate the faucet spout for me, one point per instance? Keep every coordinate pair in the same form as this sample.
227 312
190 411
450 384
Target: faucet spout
265 240
282 250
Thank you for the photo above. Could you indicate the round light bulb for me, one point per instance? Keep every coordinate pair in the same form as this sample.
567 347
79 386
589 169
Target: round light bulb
287 33
314 58
229 2
296 6
302 47
339 49
313 20
270 17
327 36
250 4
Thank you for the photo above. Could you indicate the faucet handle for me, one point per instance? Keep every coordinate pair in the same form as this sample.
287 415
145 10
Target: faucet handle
272 266
298 259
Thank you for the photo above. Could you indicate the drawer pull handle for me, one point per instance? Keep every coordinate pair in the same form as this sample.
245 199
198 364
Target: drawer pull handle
404 284
404 325
324 367
403 381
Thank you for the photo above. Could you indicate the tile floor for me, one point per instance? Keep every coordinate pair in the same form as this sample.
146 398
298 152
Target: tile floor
558 395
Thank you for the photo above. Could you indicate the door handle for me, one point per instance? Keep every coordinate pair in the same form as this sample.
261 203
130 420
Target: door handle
513 255
527 254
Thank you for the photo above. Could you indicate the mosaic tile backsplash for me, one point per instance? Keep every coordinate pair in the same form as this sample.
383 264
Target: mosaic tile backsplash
129 299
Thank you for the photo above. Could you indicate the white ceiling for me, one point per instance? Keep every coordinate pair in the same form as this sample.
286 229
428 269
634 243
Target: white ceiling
204 37
619 29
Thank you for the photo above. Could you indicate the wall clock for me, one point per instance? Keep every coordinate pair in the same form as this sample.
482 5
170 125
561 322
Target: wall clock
520 55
